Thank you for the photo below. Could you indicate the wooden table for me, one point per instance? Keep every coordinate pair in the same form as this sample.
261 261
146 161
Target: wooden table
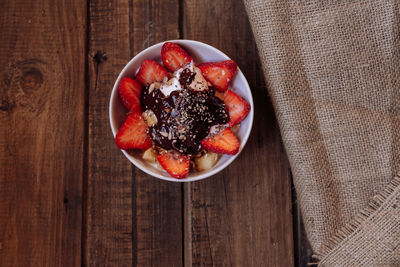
69 197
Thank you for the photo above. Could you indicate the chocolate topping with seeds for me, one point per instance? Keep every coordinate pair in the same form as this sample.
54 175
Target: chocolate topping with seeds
185 117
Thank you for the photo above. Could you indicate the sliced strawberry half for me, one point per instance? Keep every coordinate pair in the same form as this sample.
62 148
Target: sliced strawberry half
174 56
225 142
237 107
133 133
129 91
219 74
150 72
176 164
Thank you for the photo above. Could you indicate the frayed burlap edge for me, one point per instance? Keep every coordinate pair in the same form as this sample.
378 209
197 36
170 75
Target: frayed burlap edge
387 198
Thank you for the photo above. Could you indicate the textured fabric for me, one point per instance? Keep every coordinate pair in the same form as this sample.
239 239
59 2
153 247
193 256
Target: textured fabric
333 72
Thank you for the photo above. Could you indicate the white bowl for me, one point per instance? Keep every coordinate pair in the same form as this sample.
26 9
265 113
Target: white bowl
201 53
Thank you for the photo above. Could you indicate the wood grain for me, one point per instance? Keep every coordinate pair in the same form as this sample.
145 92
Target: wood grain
108 207
58 160
158 203
42 49
302 248
133 219
240 217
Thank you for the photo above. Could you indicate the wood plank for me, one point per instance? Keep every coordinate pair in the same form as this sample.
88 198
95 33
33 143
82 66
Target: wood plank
302 248
42 54
158 203
108 233
240 217
133 219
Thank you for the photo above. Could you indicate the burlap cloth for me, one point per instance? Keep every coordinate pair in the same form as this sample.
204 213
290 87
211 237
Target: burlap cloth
333 73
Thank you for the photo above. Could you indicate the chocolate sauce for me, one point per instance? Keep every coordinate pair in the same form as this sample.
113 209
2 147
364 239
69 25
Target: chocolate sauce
185 117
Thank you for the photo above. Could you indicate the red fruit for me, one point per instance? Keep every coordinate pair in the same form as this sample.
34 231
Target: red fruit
133 133
219 74
237 107
225 142
177 165
150 72
174 56
220 95
129 91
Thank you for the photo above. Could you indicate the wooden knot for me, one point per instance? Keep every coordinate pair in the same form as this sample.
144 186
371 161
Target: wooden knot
100 57
31 80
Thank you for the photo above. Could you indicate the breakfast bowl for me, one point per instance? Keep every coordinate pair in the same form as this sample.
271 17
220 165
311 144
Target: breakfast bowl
200 53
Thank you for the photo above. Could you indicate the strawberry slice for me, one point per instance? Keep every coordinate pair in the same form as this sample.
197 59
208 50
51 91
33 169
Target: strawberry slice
237 107
174 56
225 142
177 165
133 133
129 91
150 72
219 74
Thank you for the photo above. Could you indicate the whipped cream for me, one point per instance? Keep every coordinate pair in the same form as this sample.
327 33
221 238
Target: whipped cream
199 83
172 85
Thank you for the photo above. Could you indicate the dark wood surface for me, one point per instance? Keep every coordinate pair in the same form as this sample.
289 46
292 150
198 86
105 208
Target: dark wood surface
107 236
240 217
42 117
69 197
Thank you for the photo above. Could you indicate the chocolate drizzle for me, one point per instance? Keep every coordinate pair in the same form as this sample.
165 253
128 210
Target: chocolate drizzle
185 117
186 78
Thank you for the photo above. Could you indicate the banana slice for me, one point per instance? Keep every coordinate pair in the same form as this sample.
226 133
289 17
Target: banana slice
149 117
150 155
206 161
